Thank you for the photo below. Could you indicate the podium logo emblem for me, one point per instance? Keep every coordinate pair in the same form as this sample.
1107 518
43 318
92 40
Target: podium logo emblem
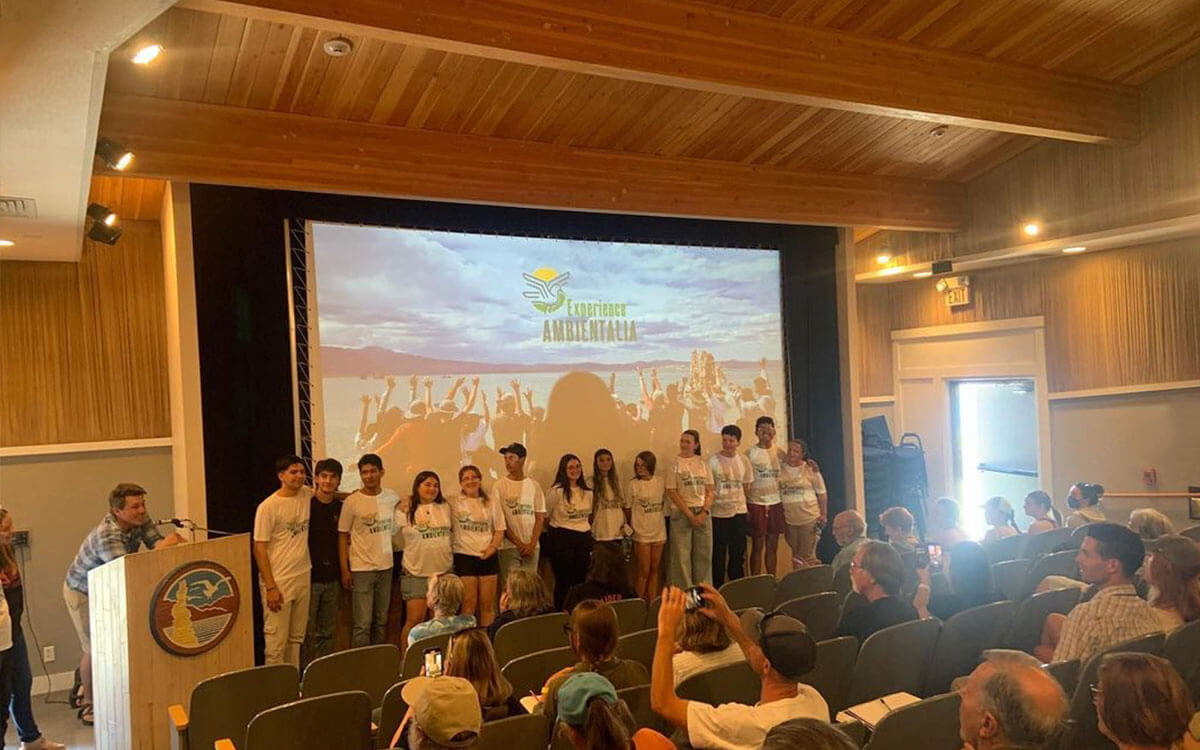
194 607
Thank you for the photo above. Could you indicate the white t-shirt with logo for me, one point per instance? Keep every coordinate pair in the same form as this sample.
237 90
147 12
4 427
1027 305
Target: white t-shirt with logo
572 514
473 522
799 487
765 463
736 726
610 516
282 522
689 476
427 540
644 498
370 520
519 501
730 476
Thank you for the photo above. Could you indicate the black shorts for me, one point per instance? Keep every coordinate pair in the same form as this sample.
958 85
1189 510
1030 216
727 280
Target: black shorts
470 565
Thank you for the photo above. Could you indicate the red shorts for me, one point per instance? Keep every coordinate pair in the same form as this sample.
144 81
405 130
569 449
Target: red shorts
765 519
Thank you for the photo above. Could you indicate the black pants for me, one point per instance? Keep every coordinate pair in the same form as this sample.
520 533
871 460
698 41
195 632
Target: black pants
570 553
729 548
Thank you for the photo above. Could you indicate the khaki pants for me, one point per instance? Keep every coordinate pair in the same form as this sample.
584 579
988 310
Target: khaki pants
77 607
283 631
803 541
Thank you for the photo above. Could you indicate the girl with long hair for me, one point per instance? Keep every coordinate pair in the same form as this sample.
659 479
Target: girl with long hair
610 517
692 491
425 526
999 514
805 503
592 717
470 656
645 500
476 529
568 518
1173 573
1040 508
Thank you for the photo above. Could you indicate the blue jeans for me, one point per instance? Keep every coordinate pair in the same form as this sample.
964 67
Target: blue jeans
22 687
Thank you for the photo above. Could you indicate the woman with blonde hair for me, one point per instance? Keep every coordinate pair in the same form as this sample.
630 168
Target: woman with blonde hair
704 644
470 656
1173 573
999 514
524 596
645 500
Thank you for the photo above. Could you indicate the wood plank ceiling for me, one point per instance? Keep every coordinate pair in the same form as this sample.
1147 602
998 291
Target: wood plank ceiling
255 64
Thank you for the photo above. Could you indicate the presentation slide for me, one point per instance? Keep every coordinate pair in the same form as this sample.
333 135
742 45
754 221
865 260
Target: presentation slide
436 349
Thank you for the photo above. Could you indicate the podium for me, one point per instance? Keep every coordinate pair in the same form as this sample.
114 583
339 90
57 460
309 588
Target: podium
161 621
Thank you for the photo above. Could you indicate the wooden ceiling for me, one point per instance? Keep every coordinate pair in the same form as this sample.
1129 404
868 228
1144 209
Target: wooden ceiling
239 59
132 198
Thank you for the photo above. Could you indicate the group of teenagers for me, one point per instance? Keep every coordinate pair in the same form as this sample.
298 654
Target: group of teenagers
311 542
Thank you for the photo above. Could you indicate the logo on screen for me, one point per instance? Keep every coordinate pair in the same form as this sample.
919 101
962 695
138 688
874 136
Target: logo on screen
194 607
546 289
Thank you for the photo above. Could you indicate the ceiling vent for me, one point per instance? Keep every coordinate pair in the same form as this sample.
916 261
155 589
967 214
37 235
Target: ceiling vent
17 208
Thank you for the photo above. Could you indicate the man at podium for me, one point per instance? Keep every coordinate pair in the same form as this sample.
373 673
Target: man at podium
125 529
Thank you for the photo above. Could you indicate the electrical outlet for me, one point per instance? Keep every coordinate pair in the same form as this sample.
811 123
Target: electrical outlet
48 654
20 538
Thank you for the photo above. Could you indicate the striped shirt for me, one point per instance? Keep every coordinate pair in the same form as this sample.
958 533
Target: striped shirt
106 543
1115 614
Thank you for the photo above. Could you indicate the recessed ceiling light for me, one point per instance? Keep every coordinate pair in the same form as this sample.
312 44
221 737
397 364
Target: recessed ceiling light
1074 249
147 54
883 258
922 274
339 46
939 131
6 243
1031 229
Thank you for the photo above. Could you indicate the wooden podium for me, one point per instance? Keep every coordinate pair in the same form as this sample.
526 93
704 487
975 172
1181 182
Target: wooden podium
162 620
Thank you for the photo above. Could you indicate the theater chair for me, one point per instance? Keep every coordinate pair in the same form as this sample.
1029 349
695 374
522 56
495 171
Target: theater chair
1009 577
833 672
530 672
1183 651
340 720
818 612
391 713
1026 630
814 579
963 639
1048 542
639 646
530 634
734 683
1054 564
223 706
631 614
371 669
894 659
754 591
514 732
1084 732
414 656
1009 548
931 724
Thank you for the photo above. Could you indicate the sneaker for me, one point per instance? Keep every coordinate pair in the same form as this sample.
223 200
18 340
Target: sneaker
41 743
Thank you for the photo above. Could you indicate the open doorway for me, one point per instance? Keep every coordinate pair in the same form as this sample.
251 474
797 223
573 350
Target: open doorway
995 444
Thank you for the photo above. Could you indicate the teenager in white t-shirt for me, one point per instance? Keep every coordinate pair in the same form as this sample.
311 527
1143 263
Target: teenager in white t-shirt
764 505
281 551
524 506
476 530
805 504
610 516
731 479
568 516
645 501
689 485
365 529
425 526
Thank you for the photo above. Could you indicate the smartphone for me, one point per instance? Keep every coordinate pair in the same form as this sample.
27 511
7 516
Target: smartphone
934 554
693 598
433 662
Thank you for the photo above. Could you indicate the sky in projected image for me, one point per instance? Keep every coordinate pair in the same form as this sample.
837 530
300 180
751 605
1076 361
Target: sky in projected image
463 296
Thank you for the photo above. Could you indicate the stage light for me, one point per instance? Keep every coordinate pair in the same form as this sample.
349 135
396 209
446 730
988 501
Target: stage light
1074 249
883 258
147 54
104 224
6 243
114 155
101 214
1031 229
922 274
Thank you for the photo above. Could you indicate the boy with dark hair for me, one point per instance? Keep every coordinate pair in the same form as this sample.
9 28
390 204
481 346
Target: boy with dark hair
325 590
281 551
764 503
365 530
732 476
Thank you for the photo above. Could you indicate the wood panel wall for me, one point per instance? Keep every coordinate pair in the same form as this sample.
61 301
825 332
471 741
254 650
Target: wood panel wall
84 344
1116 318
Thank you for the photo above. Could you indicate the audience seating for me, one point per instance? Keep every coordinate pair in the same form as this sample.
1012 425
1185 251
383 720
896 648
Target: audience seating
414 657
855 730
853 601
1066 672
734 683
1009 578
652 613
1009 548
1026 630
631 614
513 732
530 672
638 700
1084 732
1053 564
1078 534
371 669
529 635
1192 532
894 659
341 720
931 724
835 667
391 712
910 579
754 591
964 637
818 612
1047 542
639 646
1183 650
223 706
939 585
814 579
842 585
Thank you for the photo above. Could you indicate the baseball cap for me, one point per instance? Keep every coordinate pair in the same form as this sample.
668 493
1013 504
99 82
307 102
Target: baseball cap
784 641
577 691
516 448
1181 552
444 708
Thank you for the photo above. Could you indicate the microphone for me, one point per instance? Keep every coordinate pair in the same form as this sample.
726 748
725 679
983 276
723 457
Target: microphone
176 522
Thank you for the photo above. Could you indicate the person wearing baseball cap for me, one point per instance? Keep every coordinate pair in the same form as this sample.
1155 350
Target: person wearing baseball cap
594 718
443 712
778 649
1173 571
524 505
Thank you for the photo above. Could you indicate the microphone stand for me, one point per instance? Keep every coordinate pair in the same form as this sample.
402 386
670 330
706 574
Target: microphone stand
188 524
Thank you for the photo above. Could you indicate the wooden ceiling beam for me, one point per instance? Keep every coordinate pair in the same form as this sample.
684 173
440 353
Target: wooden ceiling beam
235 146
708 48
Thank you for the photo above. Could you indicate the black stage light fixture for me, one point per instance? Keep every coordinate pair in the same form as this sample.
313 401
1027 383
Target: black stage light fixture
104 225
114 155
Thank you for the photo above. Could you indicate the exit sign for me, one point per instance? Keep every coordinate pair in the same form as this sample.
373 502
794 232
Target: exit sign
958 296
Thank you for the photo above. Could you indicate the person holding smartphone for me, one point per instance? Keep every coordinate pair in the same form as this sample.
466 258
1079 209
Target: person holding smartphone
969 576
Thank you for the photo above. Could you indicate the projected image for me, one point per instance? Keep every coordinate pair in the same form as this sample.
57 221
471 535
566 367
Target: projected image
438 348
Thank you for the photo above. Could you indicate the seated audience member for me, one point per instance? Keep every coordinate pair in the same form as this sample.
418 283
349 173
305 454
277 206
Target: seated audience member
1141 702
594 718
445 598
703 645
470 656
1084 501
970 578
1108 558
443 712
876 573
594 633
1009 701
1173 572
1150 524
943 524
524 596
810 734
897 525
850 531
779 650
606 579
1040 508
1001 519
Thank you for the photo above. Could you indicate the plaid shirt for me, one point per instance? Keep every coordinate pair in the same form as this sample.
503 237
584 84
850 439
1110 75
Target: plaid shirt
106 543
1113 615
